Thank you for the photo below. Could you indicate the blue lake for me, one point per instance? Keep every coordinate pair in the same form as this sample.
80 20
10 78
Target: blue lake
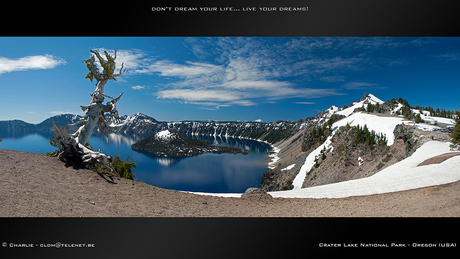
224 173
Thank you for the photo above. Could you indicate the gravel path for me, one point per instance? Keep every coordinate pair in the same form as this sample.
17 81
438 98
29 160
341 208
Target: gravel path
35 185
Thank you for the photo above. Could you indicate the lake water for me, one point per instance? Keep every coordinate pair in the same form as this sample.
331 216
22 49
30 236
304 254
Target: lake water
224 173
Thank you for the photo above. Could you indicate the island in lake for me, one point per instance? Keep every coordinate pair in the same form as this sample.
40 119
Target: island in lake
172 143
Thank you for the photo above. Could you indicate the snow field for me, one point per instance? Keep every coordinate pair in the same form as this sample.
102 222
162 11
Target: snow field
403 175
385 125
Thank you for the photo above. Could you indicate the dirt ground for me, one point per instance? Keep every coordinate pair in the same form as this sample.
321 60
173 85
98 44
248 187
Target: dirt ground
439 159
35 185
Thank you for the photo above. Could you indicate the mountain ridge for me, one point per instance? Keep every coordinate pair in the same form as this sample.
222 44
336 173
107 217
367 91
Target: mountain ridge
270 132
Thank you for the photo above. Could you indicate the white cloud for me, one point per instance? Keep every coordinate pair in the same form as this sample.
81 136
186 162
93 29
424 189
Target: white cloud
304 102
252 84
321 66
29 63
332 79
244 102
244 73
198 49
190 70
57 112
450 56
358 85
139 87
65 112
200 95
247 71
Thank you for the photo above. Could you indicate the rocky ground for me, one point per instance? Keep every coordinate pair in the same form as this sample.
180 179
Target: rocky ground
35 185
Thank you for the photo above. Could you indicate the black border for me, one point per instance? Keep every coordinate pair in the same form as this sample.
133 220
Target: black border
324 18
228 237
225 237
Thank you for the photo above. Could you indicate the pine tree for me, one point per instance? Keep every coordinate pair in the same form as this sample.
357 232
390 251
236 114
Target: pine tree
123 168
418 119
455 135
370 107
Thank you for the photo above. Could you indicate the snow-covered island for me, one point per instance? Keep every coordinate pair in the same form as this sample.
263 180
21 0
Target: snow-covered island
172 143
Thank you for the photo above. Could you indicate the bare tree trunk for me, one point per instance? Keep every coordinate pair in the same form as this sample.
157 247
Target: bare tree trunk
73 145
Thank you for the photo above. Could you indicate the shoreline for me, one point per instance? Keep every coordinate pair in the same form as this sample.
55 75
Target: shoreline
275 149
402 176
35 185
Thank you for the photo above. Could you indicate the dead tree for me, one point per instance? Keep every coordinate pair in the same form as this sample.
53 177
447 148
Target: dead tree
72 146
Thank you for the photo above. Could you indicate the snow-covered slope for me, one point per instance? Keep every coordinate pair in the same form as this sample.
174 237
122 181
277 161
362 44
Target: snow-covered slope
380 124
132 120
138 123
309 162
385 125
403 175
369 99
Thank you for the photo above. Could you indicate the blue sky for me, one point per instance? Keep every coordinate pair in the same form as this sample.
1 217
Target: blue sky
217 78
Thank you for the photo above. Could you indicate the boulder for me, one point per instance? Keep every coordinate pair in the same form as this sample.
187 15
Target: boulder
255 192
403 132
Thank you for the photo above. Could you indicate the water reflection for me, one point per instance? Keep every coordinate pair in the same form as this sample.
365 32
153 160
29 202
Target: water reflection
203 173
164 161
119 139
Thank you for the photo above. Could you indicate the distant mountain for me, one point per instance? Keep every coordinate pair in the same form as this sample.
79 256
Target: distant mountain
21 126
138 124
60 120
143 125
13 126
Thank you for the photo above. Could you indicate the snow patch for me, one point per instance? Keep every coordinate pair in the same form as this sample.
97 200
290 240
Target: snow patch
422 126
396 109
385 125
370 99
309 162
288 167
164 135
274 156
374 99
